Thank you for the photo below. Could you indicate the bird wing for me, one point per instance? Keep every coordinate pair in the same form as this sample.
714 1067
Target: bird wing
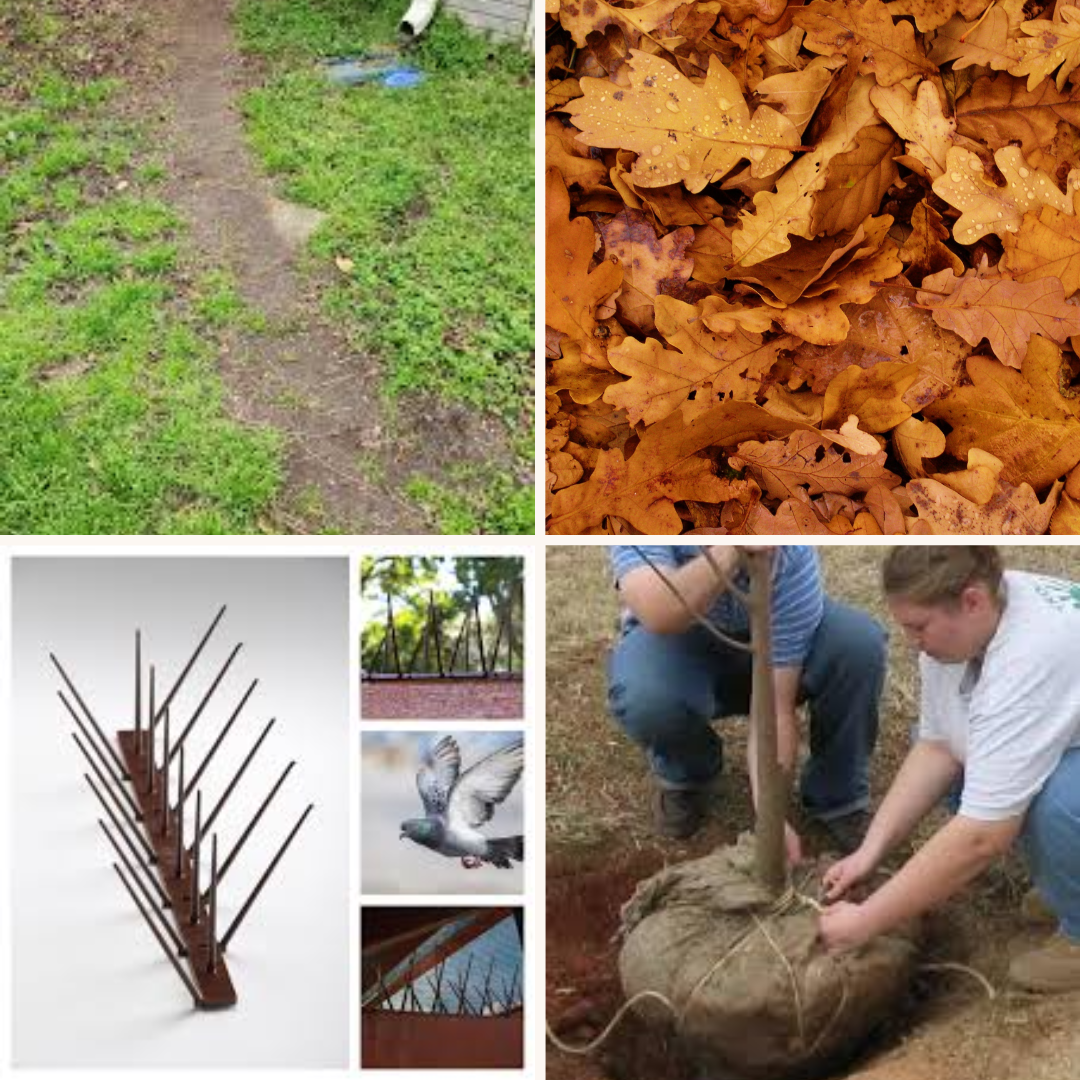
483 785
438 774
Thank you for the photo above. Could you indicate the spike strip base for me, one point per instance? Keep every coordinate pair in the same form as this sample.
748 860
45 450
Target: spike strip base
215 987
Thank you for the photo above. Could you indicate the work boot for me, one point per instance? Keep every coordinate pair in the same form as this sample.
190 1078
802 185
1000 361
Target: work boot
1034 910
847 832
678 813
1052 968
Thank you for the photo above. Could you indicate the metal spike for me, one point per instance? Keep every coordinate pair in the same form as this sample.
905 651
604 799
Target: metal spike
212 929
193 917
221 736
205 700
480 635
165 778
150 737
254 821
263 880
191 662
239 773
113 775
90 716
185 978
126 799
141 879
180 819
134 830
138 687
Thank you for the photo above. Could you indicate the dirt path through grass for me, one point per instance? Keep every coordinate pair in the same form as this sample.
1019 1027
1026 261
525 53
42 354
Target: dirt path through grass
298 373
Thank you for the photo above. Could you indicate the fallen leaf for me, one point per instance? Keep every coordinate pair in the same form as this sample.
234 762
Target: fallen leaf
1005 312
891 328
1035 436
584 382
582 17
789 209
1013 510
650 265
875 395
808 461
988 208
924 251
574 291
856 181
921 122
978 482
1049 46
916 441
682 132
999 110
989 41
1065 521
885 49
1047 246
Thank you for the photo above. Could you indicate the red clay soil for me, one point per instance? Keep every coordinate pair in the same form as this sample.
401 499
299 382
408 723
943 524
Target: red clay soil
583 991
443 699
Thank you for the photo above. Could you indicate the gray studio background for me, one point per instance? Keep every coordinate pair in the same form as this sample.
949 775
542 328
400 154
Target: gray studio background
391 865
91 985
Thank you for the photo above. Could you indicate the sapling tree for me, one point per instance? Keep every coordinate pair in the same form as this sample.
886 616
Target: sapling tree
771 782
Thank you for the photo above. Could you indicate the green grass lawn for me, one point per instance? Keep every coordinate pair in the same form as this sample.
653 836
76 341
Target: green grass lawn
111 413
429 193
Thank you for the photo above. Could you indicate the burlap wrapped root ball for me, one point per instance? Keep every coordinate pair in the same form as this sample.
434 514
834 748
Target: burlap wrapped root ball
750 992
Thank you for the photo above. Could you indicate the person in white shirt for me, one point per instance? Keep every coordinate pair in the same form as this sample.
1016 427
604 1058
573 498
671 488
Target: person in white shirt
1000 719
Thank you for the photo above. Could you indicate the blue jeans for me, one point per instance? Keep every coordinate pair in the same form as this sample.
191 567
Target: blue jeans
666 689
1050 841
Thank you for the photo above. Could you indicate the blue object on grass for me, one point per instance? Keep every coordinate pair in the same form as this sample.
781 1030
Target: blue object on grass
382 69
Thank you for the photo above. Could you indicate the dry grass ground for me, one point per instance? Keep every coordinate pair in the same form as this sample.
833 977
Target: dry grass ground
600 841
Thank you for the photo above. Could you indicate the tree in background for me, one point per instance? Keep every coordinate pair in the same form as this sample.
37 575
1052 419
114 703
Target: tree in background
454 585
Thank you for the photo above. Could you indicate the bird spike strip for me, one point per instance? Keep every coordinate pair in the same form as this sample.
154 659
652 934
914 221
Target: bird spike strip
440 658
140 784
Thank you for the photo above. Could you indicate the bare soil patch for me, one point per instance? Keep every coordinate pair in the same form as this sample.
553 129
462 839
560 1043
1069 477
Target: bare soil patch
299 375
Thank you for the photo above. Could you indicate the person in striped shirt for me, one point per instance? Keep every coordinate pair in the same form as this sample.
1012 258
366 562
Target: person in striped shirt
669 679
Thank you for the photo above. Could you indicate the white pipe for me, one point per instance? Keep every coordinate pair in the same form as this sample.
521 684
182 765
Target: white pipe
415 21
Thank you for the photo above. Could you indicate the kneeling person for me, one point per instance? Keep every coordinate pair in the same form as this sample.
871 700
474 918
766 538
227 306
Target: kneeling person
1000 715
669 679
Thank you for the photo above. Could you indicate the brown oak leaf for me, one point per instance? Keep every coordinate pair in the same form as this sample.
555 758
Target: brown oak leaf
1005 312
1013 510
915 442
999 110
573 290
875 395
651 265
1049 45
885 49
1047 246
890 328
808 461
988 208
681 131
1035 434
582 17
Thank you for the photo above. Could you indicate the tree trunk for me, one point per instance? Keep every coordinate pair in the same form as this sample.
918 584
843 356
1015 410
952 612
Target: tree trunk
772 794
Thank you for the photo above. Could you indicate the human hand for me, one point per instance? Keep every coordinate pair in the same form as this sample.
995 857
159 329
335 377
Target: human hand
844 926
842 875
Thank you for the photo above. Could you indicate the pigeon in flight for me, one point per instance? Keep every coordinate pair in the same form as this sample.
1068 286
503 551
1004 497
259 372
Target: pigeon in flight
456 803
